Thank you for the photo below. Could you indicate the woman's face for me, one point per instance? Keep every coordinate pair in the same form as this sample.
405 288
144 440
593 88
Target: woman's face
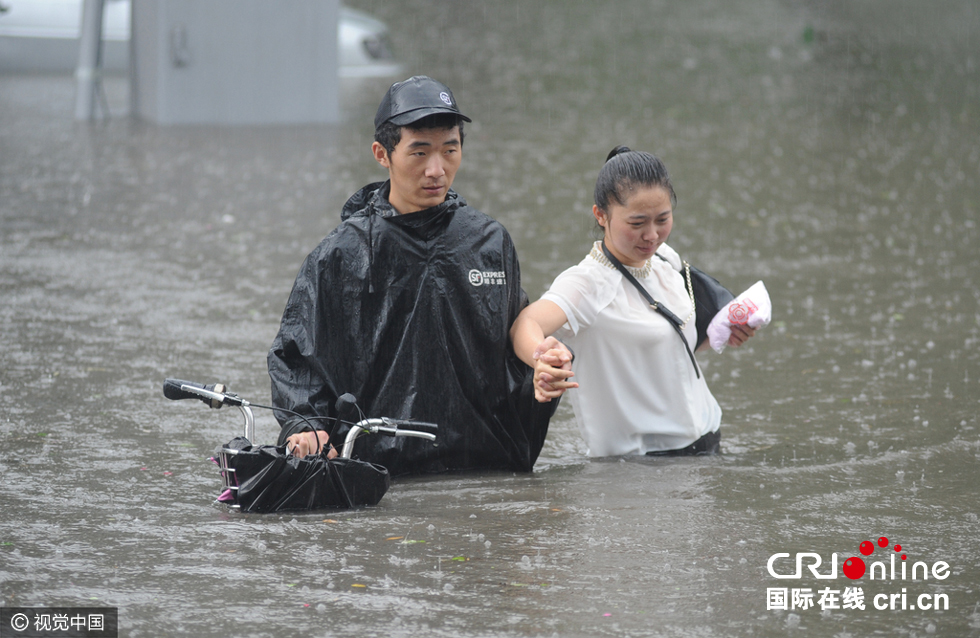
634 231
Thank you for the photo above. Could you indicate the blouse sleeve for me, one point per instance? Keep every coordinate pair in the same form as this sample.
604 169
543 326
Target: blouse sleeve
580 295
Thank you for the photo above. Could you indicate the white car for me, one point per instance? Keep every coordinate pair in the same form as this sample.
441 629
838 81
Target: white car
42 35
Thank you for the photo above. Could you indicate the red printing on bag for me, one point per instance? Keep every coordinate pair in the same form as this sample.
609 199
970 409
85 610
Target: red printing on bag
739 312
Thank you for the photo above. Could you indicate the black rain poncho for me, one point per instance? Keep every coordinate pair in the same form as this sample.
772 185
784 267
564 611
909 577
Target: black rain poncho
411 314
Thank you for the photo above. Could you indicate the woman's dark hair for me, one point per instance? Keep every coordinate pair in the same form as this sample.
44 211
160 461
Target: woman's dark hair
624 171
388 134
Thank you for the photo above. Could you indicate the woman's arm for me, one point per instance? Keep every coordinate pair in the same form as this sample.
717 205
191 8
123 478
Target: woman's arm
552 366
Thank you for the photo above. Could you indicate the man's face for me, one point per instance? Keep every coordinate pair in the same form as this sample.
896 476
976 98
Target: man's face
421 167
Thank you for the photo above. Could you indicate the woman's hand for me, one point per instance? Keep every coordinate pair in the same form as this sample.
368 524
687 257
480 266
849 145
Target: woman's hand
303 443
552 369
740 334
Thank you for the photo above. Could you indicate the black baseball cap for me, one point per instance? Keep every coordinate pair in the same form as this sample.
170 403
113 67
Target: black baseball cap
415 98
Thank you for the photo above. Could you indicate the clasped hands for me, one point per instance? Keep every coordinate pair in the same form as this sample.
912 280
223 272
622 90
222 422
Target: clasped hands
552 370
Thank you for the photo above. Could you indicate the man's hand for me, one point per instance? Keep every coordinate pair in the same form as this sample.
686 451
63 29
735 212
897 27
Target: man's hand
303 443
552 369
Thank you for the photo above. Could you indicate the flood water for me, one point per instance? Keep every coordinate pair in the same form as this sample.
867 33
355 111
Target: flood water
829 148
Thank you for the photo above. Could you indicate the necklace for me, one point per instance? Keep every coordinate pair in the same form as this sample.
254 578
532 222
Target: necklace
644 272
640 273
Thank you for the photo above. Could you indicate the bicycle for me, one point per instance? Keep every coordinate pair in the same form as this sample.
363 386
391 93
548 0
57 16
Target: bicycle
270 478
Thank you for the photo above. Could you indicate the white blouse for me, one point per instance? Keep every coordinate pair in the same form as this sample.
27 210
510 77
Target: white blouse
638 391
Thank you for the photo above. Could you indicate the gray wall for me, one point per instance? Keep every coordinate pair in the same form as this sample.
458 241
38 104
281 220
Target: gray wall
234 61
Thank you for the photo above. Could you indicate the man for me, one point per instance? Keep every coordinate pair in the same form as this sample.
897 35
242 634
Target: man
407 305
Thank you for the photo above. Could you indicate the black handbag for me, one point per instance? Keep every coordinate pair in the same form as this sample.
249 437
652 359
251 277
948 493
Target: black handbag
709 298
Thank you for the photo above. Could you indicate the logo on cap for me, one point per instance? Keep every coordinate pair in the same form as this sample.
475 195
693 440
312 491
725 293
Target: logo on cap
445 98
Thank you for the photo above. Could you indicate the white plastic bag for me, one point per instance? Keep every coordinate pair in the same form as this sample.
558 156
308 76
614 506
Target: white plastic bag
753 308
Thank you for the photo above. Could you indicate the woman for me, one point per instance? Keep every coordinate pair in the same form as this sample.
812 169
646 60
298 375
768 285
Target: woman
638 388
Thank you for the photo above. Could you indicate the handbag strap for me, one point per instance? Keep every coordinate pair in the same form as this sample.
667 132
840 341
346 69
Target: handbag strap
686 267
671 318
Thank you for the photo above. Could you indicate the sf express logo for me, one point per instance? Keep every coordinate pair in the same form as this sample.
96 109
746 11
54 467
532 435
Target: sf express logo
487 277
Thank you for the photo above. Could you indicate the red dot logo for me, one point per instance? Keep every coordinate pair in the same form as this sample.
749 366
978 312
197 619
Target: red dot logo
854 568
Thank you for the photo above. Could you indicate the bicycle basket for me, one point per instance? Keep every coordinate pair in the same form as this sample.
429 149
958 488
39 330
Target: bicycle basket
267 479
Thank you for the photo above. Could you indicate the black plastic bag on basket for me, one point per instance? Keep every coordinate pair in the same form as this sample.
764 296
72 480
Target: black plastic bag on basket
267 479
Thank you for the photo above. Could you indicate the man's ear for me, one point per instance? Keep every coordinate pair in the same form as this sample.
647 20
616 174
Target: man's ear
380 154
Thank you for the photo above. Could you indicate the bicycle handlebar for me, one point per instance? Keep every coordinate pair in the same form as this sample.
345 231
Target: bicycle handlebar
215 396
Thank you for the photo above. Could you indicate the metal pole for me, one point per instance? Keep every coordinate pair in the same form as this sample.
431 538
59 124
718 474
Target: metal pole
88 75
